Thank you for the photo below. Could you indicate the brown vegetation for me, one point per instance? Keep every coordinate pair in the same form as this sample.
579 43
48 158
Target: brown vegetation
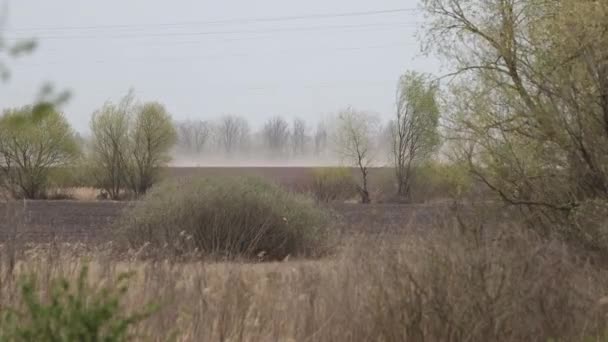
450 285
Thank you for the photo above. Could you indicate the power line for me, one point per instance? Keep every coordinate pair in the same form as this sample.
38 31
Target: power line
231 32
224 21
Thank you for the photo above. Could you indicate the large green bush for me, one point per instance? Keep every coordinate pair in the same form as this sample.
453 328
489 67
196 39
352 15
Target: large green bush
225 217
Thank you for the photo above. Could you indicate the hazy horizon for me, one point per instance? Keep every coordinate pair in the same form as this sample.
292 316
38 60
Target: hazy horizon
203 59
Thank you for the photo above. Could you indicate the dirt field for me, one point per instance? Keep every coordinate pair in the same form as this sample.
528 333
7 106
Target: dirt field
61 220
88 220
39 221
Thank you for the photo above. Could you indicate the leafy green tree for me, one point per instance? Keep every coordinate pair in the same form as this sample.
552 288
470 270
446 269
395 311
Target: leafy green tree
33 140
414 130
130 144
110 145
151 138
529 101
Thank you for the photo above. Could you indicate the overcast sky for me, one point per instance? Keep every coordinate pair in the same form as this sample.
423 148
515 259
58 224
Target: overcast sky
206 58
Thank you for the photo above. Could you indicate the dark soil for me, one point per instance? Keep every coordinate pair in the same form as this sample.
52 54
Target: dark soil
43 221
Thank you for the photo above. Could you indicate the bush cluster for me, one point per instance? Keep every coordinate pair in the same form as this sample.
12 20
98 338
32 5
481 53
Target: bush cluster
226 217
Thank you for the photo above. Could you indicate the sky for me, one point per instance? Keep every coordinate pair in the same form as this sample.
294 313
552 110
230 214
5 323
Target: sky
203 59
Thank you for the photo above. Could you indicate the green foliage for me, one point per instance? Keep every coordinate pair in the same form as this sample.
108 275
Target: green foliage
151 138
414 131
433 180
227 217
529 105
110 144
71 313
33 140
130 144
333 184
417 99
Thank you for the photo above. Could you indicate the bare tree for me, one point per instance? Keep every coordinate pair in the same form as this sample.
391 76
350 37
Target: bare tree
276 135
201 131
320 139
355 136
192 135
184 135
232 133
414 132
298 137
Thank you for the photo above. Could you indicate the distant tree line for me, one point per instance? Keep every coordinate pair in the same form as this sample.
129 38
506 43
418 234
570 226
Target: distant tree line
232 136
132 141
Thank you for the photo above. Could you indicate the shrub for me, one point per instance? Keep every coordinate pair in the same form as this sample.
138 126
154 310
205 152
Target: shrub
79 313
439 181
229 217
333 184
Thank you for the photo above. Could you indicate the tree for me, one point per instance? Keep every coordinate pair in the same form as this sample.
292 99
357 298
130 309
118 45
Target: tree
355 135
151 138
276 136
299 137
192 136
130 144
530 99
110 145
184 135
414 133
232 132
33 140
320 139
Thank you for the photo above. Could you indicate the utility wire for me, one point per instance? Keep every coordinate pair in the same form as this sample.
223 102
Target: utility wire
219 22
230 32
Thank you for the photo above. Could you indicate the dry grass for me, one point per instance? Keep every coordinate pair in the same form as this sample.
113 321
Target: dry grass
84 194
450 285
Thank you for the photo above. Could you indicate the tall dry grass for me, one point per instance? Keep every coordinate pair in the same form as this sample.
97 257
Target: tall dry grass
456 284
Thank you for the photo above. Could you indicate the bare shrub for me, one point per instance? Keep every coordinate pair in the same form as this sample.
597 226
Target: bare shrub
331 184
228 217
459 288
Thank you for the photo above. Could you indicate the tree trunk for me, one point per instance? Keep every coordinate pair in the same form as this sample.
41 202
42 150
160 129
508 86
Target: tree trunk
365 199
364 193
